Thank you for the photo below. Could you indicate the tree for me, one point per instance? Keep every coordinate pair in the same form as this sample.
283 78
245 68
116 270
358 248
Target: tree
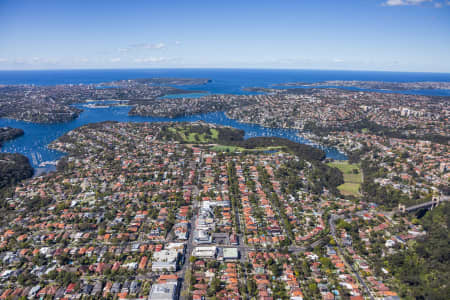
326 262
423 269
214 286
13 168
251 287
275 269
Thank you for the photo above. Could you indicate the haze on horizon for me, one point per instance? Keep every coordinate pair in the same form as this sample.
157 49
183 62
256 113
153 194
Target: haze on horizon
386 35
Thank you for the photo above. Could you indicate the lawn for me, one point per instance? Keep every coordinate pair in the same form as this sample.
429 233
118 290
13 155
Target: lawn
195 137
211 136
225 148
352 181
191 137
349 188
222 148
350 177
214 133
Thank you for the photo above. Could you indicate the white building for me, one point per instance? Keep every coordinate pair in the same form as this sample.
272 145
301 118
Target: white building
166 291
205 252
230 253
179 247
202 236
165 260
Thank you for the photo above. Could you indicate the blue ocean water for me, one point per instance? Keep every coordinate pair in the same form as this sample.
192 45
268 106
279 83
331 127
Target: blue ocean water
224 81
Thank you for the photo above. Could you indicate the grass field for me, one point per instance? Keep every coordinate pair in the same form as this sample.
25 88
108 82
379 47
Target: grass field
195 137
214 133
352 181
223 148
236 148
211 136
349 188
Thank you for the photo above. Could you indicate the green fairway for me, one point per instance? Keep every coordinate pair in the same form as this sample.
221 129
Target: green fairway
193 137
214 133
187 135
352 180
222 148
225 148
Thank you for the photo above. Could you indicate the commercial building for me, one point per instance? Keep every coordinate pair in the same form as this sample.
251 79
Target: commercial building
230 253
205 252
165 260
166 291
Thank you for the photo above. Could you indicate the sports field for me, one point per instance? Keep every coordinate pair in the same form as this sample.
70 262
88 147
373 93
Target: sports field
352 179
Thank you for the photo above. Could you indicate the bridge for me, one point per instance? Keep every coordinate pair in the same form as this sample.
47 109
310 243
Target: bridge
430 204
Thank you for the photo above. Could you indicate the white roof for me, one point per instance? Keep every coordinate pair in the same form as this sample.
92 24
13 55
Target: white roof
164 291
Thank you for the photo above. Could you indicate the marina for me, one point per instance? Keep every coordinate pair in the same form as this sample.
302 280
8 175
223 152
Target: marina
33 143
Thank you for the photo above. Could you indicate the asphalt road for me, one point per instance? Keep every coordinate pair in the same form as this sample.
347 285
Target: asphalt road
189 247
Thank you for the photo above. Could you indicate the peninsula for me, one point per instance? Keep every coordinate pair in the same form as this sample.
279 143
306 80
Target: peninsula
54 104
377 85
9 133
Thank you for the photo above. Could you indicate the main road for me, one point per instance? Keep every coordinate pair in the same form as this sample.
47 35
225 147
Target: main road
189 247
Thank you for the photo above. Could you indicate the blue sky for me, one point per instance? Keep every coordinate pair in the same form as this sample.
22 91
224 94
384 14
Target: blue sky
396 35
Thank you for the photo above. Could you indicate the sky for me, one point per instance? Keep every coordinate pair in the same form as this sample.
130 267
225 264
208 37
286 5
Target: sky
385 35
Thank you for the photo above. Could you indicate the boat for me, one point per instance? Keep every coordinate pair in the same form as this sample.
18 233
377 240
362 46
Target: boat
47 163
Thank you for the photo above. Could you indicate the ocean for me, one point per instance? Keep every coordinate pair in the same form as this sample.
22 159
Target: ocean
224 81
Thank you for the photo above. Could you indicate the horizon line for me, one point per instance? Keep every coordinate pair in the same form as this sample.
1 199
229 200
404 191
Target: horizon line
219 68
